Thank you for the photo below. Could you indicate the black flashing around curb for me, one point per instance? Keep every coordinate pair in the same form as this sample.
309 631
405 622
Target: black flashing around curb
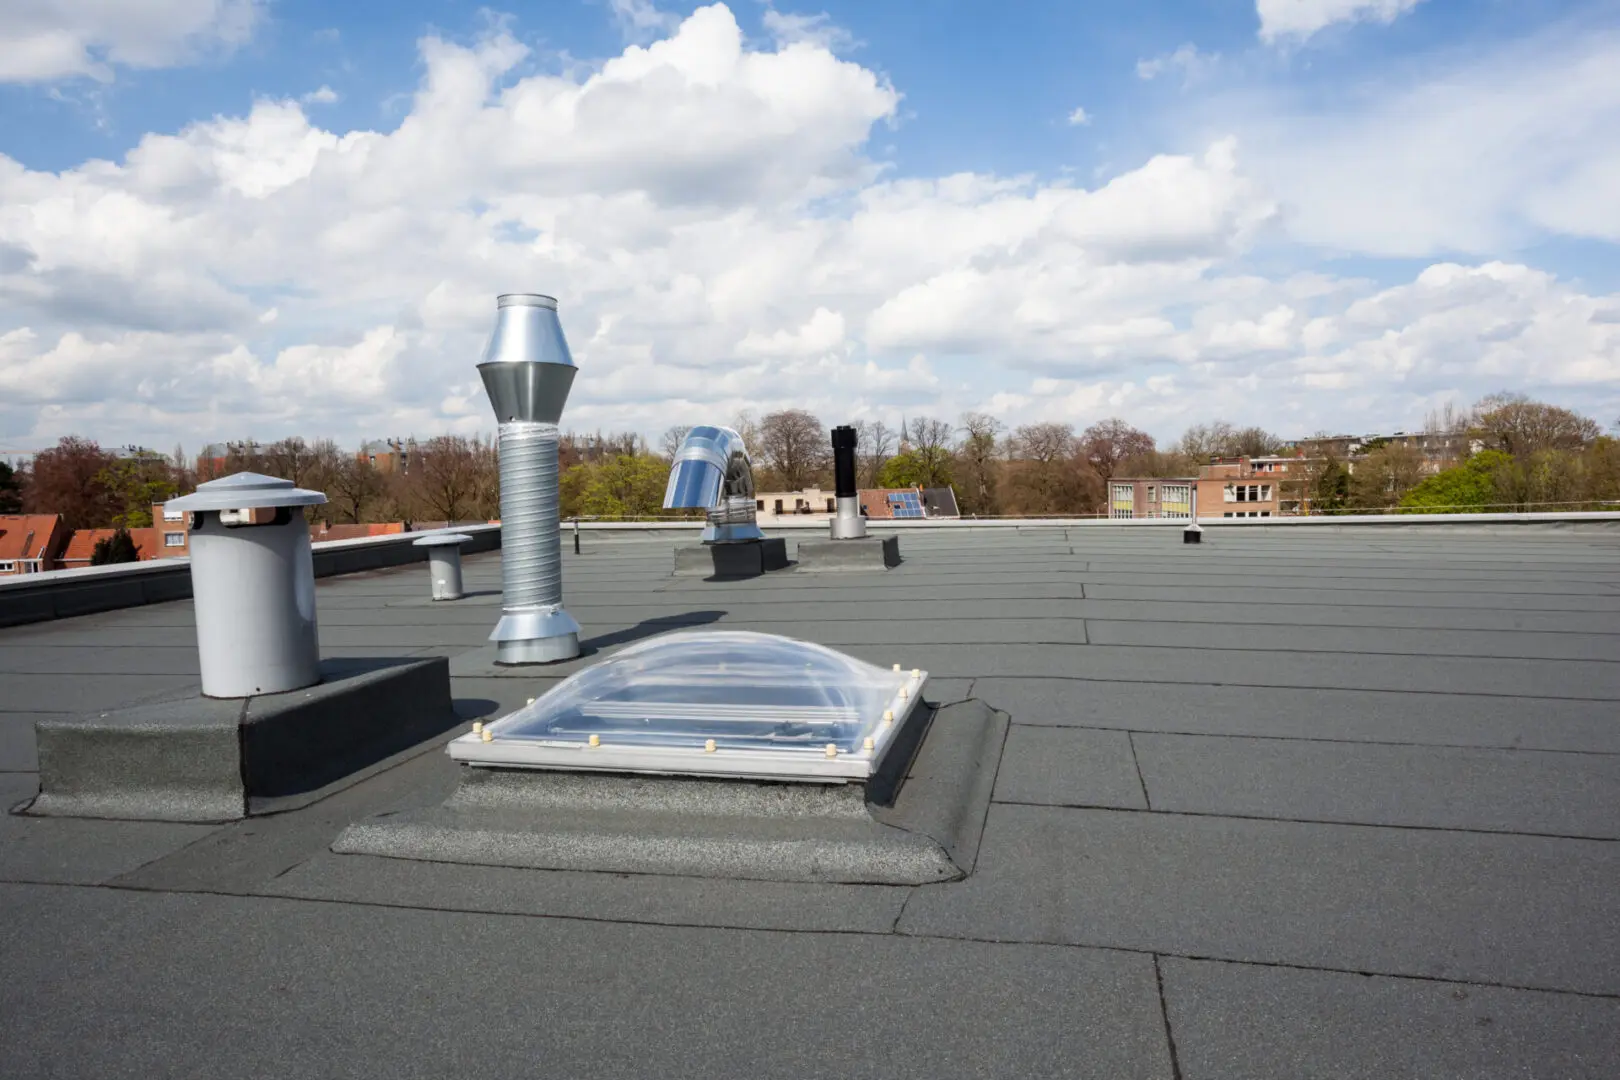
209 759
729 829
730 562
867 553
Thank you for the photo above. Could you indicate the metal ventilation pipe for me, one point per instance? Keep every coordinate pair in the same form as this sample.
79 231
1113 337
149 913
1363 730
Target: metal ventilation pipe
527 372
712 472
848 524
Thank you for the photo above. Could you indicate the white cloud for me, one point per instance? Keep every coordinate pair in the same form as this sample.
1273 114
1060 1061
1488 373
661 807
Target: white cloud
1299 19
818 30
46 40
719 239
1186 60
324 96
639 20
1079 117
1476 157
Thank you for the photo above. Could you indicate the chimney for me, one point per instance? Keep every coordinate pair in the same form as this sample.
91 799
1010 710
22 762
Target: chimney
848 524
527 372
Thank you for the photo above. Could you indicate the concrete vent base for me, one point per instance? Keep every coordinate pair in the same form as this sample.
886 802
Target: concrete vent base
207 759
927 830
867 553
745 560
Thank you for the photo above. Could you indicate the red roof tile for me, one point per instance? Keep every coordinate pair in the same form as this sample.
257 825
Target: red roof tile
26 536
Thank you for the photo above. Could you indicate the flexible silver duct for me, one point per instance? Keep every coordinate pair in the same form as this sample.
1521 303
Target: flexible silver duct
527 371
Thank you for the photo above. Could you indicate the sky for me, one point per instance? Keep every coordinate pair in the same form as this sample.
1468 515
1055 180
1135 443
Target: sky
226 219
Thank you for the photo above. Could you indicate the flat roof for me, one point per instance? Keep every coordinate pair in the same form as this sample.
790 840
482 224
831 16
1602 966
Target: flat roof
1292 802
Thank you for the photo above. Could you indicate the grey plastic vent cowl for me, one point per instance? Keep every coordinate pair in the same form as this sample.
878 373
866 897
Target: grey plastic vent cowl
253 585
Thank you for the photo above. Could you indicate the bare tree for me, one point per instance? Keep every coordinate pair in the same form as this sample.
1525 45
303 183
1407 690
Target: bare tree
1045 456
1107 443
795 446
931 447
874 445
444 477
745 425
1448 420
354 485
291 459
976 458
671 442
1514 423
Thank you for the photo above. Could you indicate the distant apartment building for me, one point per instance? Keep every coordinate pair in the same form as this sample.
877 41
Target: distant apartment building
1239 487
877 504
386 455
1439 450
173 533
30 543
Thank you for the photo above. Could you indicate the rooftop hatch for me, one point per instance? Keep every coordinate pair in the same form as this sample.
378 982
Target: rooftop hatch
710 703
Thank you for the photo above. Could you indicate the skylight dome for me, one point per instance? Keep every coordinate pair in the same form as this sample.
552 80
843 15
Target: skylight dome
710 703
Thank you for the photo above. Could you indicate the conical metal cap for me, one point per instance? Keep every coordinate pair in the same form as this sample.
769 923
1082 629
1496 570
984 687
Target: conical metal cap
527 369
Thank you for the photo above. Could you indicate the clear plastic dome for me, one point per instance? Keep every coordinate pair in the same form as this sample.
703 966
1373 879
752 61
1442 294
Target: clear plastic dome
711 702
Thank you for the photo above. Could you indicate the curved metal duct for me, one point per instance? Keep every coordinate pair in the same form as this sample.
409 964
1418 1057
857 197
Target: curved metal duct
712 472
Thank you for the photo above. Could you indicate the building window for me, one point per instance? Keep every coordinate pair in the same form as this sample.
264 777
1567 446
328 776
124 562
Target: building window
1176 501
7 567
831 506
1265 493
173 515
1229 493
1265 513
1122 501
174 539
759 504
1151 493
778 506
373 458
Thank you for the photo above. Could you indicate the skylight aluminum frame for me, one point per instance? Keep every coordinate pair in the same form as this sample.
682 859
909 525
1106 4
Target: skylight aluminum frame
807 765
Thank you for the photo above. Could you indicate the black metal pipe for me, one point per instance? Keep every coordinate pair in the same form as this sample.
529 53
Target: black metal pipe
843 442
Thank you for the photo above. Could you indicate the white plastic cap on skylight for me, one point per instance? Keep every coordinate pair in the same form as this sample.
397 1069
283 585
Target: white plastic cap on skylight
710 703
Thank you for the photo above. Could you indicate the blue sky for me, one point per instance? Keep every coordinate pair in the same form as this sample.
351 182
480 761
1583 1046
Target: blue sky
1310 162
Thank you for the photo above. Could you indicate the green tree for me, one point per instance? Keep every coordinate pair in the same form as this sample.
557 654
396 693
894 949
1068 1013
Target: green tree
910 470
1471 487
624 486
1329 484
117 548
133 484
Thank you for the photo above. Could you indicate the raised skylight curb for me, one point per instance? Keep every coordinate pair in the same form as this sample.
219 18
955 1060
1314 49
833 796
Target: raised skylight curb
729 829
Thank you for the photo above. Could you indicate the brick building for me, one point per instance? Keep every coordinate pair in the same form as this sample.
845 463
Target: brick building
30 543
81 546
1240 487
877 504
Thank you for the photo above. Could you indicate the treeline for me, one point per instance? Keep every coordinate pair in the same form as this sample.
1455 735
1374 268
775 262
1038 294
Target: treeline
1507 452
1031 469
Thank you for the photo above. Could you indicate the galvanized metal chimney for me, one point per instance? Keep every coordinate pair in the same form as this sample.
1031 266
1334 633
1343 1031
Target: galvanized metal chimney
527 372
848 524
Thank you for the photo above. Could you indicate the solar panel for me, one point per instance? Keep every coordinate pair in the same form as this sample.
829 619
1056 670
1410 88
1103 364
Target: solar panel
906 504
